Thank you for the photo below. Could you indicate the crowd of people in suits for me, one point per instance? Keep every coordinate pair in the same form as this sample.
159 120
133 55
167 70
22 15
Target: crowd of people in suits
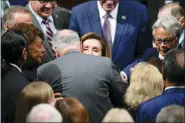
102 61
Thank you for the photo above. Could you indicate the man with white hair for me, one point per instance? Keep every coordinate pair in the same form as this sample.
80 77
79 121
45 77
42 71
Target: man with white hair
174 9
92 80
44 113
166 33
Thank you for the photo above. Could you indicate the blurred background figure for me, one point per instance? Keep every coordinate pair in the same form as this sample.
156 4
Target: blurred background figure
31 95
15 14
171 114
44 113
174 9
4 6
117 115
146 82
18 2
93 44
72 110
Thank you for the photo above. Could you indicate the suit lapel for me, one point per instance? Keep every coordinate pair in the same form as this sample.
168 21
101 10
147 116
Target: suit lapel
94 19
58 22
120 27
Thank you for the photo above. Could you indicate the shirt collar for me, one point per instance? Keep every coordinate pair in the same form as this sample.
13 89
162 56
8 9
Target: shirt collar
161 57
16 66
38 17
102 12
174 87
182 36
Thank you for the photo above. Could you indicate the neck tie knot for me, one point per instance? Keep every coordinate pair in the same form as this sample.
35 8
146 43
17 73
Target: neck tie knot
107 15
45 21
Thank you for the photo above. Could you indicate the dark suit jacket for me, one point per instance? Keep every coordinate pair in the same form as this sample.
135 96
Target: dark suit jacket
148 54
132 37
148 110
61 17
12 84
92 80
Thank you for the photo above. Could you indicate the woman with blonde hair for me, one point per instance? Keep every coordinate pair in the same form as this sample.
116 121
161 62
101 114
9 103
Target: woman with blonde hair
118 115
31 95
146 82
93 44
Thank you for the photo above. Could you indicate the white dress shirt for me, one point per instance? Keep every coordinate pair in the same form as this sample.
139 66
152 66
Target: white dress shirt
113 20
40 19
161 57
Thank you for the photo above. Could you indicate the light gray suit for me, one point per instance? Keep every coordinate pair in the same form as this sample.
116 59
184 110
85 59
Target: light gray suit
92 80
61 17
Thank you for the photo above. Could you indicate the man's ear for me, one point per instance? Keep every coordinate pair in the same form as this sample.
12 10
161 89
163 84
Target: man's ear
24 54
6 27
182 22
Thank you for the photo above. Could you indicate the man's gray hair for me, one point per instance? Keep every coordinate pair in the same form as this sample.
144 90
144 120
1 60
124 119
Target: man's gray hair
44 113
170 24
8 16
65 38
171 114
173 9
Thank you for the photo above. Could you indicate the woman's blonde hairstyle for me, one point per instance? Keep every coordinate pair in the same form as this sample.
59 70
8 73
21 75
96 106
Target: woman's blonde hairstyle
118 115
146 82
31 95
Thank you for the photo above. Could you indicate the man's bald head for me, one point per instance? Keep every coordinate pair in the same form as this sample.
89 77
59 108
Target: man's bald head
16 14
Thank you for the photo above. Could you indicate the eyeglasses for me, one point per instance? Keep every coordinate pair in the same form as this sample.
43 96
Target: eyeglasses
47 1
167 41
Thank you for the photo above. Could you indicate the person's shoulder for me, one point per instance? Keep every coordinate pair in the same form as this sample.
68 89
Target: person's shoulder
47 66
14 75
59 9
85 5
132 4
151 102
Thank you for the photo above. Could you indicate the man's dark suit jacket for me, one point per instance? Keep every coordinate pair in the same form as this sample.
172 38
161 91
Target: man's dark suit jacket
61 17
148 110
133 34
12 84
148 54
92 80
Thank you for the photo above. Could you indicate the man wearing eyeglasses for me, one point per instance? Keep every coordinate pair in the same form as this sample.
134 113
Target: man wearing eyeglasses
166 33
48 18
174 9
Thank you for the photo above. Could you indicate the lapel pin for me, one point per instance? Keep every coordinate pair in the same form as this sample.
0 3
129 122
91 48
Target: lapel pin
123 17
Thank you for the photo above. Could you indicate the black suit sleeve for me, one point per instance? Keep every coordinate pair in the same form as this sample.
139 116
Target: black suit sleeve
117 88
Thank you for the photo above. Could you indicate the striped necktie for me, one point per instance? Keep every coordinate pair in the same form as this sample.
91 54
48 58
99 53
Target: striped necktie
49 34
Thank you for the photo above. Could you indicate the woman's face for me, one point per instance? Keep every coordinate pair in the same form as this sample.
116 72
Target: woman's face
92 47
